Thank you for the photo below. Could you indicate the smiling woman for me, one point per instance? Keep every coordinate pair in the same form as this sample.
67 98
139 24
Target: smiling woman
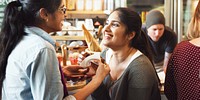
132 75
28 49
27 22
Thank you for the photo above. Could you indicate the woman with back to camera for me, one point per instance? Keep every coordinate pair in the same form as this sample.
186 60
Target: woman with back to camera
29 69
183 72
132 75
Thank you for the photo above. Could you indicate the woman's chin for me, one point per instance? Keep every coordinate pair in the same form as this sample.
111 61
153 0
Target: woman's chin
60 29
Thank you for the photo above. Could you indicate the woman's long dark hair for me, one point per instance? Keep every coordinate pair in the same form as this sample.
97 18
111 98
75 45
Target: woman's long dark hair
17 15
133 22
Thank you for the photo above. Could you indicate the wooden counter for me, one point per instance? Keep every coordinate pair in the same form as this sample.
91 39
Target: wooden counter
67 37
77 85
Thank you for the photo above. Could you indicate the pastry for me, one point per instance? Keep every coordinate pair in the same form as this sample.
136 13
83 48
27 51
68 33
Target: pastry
93 45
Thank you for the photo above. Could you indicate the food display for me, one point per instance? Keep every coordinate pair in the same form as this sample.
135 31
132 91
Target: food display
73 58
69 56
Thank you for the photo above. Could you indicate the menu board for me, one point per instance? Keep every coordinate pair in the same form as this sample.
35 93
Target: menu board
3 4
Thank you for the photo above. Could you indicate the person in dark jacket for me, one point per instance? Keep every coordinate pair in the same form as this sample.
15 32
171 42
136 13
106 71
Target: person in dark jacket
162 40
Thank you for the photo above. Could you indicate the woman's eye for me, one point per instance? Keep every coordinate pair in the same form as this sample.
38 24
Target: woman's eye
112 24
115 25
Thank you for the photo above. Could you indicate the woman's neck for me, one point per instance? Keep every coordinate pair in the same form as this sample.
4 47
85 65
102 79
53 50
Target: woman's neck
121 55
196 42
119 62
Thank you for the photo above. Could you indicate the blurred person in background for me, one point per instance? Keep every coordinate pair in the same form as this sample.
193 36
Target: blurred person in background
132 75
162 40
183 71
29 68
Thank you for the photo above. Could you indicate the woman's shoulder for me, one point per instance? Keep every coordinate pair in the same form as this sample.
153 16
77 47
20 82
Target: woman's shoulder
142 68
142 59
183 44
142 65
36 42
195 42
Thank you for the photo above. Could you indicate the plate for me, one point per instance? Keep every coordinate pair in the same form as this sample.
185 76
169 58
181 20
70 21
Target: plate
86 61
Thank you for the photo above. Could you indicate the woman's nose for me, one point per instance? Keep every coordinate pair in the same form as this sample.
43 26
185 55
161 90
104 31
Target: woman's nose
106 28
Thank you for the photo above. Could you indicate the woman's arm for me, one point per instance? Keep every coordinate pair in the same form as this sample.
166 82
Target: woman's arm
101 73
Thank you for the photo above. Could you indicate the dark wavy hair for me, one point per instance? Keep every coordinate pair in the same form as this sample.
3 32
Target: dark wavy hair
17 15
133 23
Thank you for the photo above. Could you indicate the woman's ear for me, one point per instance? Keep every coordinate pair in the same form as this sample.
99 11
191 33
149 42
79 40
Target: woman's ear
43 14
131 35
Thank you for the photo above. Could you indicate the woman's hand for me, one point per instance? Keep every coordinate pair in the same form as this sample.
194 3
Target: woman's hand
75 72
82 56
102 71
93 63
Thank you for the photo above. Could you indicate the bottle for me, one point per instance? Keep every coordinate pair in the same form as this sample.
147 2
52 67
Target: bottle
110 5
123 3
143 16
117 3
97 5
105 4
80 5
71 4
88 5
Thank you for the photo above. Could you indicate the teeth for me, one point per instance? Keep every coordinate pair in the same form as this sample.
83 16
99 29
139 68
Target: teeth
107 35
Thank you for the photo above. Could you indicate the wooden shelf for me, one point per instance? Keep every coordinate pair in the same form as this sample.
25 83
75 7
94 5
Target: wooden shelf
76 30
86 12
68 37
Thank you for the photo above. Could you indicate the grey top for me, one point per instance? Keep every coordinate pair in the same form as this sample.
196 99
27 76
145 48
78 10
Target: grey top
138 82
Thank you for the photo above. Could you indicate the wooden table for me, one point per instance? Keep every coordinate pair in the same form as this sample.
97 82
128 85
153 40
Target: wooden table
77 85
